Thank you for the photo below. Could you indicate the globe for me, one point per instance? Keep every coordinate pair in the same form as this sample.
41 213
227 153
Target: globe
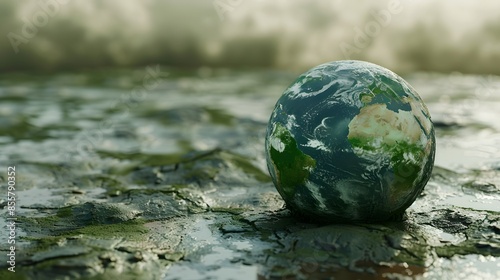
350 141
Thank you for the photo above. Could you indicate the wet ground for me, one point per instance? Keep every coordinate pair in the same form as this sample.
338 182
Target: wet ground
159 173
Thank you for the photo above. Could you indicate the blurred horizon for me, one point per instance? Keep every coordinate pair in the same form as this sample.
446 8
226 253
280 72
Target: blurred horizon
404 36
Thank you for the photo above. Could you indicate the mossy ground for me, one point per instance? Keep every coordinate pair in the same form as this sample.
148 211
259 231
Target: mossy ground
154 198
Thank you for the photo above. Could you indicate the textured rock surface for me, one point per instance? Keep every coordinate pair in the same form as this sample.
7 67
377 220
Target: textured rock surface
172 184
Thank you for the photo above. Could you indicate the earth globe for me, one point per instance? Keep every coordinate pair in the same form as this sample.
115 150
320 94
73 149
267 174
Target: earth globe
350 141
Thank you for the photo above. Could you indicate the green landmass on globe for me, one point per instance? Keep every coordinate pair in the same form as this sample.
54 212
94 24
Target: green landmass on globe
292 166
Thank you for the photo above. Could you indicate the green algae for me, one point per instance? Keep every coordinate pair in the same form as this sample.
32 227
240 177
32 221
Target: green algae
65 212
17 275
130 230
468 248
45 242
292 165
246 166
46 222
94 219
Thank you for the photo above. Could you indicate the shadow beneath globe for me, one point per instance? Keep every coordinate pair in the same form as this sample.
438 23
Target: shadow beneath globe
343 251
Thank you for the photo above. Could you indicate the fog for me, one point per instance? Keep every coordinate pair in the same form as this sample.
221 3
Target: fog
405 36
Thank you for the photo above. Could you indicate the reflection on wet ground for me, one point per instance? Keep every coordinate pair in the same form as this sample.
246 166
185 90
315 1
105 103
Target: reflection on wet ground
171 183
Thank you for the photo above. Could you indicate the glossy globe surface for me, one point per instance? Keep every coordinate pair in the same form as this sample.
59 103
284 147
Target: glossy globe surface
350 141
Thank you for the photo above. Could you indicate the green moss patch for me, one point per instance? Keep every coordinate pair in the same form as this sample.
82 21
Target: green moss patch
131 230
